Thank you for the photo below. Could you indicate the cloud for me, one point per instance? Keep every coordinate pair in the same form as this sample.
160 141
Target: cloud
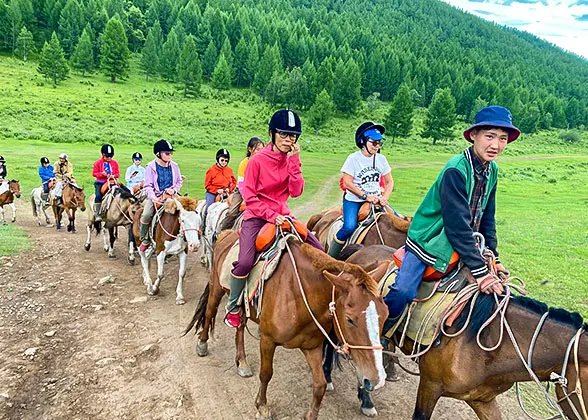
485 12
510 2
583 18
516 22
579 3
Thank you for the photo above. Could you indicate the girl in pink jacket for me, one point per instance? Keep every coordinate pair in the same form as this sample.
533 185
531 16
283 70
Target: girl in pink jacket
272 176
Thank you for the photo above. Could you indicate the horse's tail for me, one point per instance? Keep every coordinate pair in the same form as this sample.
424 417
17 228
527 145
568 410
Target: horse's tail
200 313
97 227
33 204
348 251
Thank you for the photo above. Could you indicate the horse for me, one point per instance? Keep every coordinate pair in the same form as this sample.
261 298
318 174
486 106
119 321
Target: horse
177 231
389 229
215 215
120 212
73 197
549 343
39 205
307 295
7 194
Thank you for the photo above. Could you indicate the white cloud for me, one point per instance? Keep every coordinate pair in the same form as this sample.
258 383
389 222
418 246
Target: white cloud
555 21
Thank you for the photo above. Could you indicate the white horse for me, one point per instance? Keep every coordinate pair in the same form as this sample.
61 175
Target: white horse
39 205
215 215
176 230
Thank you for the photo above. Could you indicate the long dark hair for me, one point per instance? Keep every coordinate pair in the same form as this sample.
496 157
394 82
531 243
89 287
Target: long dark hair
253 142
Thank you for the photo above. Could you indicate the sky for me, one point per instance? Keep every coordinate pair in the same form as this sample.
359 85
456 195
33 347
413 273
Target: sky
561 22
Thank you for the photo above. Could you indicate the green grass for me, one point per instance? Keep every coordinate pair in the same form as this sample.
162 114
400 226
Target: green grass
13 239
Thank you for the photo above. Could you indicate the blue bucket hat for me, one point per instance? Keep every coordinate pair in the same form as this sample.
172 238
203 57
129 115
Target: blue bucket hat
494 116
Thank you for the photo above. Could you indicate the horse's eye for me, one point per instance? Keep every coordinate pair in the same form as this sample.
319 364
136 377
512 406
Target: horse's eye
351 322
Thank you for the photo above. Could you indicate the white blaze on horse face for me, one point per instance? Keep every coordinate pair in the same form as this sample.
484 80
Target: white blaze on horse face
373 326
191 222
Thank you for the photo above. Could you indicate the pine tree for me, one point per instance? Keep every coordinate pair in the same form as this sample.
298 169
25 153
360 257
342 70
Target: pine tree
170 55
83 56
115 51
149 58
398 120
240 63
479 104
530 119
209 60
275 91
189 68
71 24
25 44
326 75
270 62
252 62
14 17
52 63
440 117
298 92
347 94
157 36
321 111
227 51
221 78
190 16
573 113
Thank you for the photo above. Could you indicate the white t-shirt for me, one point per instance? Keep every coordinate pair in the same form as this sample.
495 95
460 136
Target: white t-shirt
366 173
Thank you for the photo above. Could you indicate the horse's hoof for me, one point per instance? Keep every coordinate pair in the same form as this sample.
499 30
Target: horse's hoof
391 373
87 247
180 301
369 412
131 261
203 261
263 413
112 256
202 349
244 370
330 387
150 291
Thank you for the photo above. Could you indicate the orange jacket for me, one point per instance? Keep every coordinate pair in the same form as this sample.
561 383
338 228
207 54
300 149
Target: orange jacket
218 178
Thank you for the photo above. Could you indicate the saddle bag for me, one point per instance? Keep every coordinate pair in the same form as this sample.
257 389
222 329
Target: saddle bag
430 273
269 233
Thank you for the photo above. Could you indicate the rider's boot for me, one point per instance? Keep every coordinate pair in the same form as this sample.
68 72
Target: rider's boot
58 201
335 247
144 236
233 317
97 211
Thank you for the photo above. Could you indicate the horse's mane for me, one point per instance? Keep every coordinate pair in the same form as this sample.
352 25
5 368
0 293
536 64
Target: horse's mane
125 192
485 306
400 223
188 203
322 261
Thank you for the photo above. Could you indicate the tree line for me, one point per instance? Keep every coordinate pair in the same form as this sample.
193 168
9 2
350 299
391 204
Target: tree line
321 55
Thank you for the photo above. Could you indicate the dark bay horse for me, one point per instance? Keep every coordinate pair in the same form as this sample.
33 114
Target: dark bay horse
123 205
177 231
7 198
458 368
286 320
73 197
389 230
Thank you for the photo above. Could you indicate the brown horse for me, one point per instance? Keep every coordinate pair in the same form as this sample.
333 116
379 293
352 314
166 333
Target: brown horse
458 368
7 197
73 197
389 230
286 321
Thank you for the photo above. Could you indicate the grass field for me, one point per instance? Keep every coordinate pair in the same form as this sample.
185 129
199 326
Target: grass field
542 199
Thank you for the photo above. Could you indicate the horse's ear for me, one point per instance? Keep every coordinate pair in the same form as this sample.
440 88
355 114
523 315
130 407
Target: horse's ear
379 272
179 205
338 281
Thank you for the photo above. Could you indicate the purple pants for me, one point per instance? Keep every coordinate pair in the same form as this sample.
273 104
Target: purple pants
249 231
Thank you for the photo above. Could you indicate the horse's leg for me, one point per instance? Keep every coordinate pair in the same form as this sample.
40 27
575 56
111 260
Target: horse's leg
364 397
216 294
486 410
42 207
112 237
13 207
146 277
88 243
2 213
104 240
131 257
428 394
267 349
160 266
183 257
314 359
243 367
329 354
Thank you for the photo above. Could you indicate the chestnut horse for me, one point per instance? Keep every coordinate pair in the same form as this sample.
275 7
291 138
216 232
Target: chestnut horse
556 340
390 229
73 197
305 280
9 190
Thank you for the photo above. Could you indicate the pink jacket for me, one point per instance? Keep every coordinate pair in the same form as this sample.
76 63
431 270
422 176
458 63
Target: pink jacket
270 179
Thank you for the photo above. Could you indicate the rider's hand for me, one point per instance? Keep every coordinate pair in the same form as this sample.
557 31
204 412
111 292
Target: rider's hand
383 201
489 284
374 199
502 272
280 220
295 149
219 191
104 173
170 191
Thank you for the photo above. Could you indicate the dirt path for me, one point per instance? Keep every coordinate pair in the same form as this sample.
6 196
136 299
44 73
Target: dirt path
109 352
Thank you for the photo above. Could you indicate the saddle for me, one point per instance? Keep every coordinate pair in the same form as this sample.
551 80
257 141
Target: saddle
366 218
269 233
430 273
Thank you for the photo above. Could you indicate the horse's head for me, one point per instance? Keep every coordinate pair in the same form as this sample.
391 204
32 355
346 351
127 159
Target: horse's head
80 197
14 187
361 313
190 222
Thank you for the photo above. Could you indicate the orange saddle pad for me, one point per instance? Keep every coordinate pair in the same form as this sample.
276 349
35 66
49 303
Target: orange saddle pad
430 273
268 233
106 186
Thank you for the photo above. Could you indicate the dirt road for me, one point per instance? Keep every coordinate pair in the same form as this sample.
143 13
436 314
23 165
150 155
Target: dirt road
109 352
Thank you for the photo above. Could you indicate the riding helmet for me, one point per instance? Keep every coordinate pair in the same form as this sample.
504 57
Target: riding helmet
285 120
2 159
137 156
107 150
223 153
63 156
360 138
162 146
44 160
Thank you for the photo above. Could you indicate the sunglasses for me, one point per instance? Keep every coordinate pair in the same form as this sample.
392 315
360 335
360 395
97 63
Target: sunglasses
376 143
167 153
285 134
223 160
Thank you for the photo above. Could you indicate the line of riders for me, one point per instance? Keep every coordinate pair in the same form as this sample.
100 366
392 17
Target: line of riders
461 201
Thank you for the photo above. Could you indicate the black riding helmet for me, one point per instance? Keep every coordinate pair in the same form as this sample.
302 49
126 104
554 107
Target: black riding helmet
360 137
162 146
137 155
285 120
44 160
107 150
223 153
2 159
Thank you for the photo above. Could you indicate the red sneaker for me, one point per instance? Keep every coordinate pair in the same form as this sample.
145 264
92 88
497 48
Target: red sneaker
144 247
233 319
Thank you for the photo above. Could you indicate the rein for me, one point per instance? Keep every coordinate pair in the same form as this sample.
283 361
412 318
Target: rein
182 230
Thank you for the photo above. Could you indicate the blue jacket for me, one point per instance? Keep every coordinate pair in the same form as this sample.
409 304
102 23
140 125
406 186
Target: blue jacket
46 173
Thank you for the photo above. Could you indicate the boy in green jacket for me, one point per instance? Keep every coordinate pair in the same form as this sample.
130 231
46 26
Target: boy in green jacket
461 201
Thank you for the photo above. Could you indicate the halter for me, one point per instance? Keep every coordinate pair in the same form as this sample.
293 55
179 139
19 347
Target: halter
182 230
10 187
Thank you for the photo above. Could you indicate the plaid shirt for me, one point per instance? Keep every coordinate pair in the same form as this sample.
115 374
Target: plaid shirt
481 171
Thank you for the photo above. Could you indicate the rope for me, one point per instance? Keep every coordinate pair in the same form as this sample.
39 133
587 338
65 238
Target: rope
373 210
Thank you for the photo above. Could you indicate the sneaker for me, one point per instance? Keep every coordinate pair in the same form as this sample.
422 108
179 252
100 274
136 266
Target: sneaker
144 247
233 319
